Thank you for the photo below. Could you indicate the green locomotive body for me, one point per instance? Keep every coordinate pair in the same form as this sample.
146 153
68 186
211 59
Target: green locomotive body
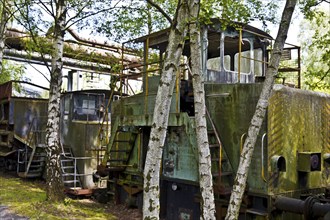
291 158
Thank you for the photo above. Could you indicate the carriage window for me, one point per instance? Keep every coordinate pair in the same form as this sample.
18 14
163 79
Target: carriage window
245 58
66 105
258 64
86 107
213 64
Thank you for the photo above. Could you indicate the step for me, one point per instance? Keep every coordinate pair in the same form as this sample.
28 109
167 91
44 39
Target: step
3 122
37 166
71 181
115 169
38 161
29 175
120 151
227 173
122 141
5 132
40 153
67 174
117 160
67 167
257 212
5 144
36 171
66 160
42 145
214 145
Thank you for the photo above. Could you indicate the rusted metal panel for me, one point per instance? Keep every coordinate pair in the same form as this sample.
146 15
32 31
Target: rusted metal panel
298 131
5 90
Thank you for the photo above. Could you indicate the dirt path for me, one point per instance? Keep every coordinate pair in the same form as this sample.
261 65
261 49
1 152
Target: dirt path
5 214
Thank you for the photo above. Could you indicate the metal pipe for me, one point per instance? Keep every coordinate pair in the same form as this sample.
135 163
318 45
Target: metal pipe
177 90
262 157
239 56
310 207
146 86
241 143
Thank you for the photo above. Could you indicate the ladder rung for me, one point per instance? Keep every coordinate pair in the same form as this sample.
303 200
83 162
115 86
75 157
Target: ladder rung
68 174
71 181
214 145
122 141
42 145
67 160
68 167
227 173
117 160
121 151
4 122
36 166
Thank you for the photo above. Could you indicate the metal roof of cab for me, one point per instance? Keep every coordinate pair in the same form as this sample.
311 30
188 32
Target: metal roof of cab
162 35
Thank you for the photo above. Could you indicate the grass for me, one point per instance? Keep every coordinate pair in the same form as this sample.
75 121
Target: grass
28 198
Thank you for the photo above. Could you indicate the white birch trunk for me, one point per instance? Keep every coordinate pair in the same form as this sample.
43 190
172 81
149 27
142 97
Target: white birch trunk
205 175
151 192
53 178
3 28
257 119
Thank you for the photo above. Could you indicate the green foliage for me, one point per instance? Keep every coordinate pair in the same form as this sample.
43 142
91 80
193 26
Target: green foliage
11 71
136 18
310 7
230 11
316 50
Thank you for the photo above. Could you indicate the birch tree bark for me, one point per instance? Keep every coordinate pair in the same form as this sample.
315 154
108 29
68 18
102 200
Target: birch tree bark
257 119
205 175
151 192
53 179
3 28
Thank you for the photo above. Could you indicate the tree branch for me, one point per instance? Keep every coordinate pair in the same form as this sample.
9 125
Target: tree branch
67 26
29 28
160 10
46 9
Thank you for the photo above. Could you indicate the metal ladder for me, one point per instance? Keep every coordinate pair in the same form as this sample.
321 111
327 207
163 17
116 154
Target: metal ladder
222 171
69 171
31 159
119 153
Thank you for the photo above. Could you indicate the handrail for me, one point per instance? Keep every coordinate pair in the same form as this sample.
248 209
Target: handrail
75 174
262 157
241 143
33 147
218 140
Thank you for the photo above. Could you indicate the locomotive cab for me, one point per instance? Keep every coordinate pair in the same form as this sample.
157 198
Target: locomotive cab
85 126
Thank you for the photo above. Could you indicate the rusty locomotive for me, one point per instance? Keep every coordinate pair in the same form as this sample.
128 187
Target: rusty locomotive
84 127
289 174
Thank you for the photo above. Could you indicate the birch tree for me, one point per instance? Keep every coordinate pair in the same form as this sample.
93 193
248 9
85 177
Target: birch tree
151 191
258 117
63 14
3 27
53 178
6 14
205 175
